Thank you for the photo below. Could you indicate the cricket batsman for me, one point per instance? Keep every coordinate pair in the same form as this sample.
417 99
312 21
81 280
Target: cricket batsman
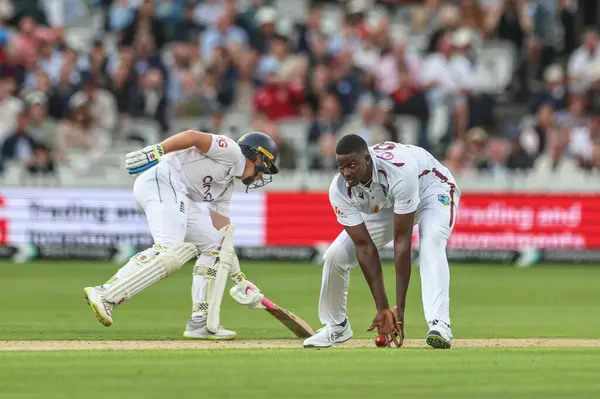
378 196
175 177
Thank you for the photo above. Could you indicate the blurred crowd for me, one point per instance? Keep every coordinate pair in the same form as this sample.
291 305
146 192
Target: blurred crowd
207 58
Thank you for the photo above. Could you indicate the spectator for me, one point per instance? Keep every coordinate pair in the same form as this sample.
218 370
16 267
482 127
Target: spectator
41 162
455 158
317 89
266 19
449 21
41 128
308 32
447 79
207 11
188 30
221 34
149 100
144 26
387 67
120 15
279 54
97 63
10 107
322 133
121 84
19 145
555 92
534 138
247 19
318 52
584 140
278 99
346 81
471 15
584 60
477 150
496 158
146 57
518 159
508 21
574 116
426 18
58 103
101 103
367 124
79 132
409 99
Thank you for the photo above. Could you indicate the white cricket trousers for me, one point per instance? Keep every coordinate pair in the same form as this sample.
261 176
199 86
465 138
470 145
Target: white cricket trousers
435 220
174 219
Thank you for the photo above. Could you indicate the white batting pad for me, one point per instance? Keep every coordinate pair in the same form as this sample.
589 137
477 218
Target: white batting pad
150 270
216 286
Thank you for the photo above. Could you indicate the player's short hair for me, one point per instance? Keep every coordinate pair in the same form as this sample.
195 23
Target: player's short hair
351 144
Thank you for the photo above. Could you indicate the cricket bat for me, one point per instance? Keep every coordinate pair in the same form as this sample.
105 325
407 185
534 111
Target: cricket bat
294 323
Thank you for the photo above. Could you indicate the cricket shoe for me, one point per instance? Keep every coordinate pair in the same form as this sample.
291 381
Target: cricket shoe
329 335
196 329
439 335
102 308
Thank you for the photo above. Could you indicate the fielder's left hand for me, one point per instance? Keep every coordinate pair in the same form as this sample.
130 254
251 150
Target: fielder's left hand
244 292
141 160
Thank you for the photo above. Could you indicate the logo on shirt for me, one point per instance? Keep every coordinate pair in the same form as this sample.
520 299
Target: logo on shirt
376 209
337 211
206 186
444 199
361 195
222 143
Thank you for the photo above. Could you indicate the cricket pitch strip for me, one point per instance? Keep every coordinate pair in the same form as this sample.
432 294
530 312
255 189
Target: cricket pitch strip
283 344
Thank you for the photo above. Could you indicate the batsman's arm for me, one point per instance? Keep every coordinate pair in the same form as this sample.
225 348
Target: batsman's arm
403 226
370 264
187 139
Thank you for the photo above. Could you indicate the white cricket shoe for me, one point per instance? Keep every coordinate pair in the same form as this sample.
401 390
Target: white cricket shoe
196 329
102 308
439 335
329 335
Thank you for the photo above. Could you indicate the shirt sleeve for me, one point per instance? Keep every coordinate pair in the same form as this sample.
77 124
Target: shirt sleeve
224 150
346 212
406 193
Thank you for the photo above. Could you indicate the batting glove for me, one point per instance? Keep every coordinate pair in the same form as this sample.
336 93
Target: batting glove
141 160
244 292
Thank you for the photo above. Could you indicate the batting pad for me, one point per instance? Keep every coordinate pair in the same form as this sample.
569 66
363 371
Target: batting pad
150 270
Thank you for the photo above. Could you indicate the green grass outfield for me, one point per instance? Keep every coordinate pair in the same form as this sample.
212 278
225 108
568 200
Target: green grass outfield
44 301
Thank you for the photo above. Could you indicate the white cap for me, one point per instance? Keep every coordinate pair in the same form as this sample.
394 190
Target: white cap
266 15
553 73
462 37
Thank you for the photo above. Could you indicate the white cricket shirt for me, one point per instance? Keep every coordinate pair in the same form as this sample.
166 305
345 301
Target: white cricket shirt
209 177
402 174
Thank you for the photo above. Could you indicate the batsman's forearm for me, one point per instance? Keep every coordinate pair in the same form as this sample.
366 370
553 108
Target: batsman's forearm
368 259
181 141
402 260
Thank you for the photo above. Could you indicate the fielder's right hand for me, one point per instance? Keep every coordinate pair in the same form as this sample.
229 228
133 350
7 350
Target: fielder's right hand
386 322
141 160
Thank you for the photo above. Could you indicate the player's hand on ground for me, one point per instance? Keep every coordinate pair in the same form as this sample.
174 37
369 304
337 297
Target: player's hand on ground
141 160
245 292
386 322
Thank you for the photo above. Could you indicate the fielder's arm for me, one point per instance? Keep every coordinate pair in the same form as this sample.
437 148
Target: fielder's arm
370 264
403 227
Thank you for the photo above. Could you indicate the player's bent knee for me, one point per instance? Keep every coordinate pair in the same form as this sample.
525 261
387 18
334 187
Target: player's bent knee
336 257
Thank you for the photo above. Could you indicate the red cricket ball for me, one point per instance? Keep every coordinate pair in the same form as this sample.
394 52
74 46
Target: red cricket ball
381 340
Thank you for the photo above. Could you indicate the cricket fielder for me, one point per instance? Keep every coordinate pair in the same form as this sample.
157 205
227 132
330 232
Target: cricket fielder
176 176
379 194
